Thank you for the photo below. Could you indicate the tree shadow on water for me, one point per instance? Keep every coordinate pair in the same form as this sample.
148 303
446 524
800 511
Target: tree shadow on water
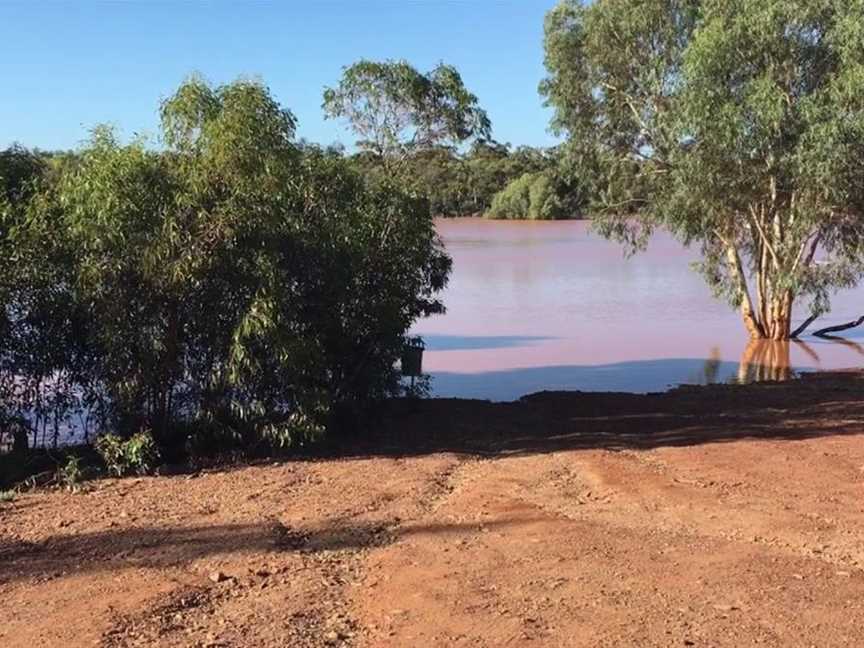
438 342
761 397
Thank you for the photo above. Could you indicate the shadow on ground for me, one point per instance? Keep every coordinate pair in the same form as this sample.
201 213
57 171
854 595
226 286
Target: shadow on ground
814 405
817 405
165 547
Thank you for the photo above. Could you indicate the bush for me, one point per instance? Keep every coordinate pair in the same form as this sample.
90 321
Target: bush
138 454
70 473
543 200
514 200
228 269
533 196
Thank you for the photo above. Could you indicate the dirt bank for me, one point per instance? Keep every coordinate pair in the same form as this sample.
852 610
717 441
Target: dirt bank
723 516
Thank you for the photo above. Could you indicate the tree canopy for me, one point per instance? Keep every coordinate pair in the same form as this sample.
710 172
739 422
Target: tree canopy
737 125
428 132
397 110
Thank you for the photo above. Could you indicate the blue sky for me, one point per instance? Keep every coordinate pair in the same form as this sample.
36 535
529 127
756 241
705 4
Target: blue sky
66 66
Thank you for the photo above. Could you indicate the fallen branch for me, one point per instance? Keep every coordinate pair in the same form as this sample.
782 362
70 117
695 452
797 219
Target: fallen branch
825 332
798 331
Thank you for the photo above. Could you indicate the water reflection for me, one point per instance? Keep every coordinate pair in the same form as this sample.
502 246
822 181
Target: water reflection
760 361
710 370
535 306
765 360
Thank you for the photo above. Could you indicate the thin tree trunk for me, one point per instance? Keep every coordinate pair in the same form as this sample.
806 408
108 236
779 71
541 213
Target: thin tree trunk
751 321
780 325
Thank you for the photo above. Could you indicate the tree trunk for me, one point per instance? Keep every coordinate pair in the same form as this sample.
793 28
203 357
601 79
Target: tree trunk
780 325
751 320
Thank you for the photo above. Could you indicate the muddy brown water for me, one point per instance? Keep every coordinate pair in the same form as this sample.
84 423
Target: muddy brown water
535 306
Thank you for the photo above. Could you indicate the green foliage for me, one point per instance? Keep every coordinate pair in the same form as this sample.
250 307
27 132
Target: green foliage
397 110
534 196
231 278
7 496
411 126
138 454
514 201
460 184
36 323
110 449
71 473
737 125
19 171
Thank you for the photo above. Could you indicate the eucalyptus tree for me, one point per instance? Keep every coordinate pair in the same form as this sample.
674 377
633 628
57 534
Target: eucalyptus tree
397 110
738 125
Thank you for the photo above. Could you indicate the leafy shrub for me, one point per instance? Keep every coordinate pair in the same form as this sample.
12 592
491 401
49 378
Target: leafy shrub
297 428
71 473
533 196
514 200
543 200
138 454
228 269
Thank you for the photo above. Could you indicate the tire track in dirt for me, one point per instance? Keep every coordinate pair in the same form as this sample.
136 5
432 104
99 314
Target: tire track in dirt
610 548
289 540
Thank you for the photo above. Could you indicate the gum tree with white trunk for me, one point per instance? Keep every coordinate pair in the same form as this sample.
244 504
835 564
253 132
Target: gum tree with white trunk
737 125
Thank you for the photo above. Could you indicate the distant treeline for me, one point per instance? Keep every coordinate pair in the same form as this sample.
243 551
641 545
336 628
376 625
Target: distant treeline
489 179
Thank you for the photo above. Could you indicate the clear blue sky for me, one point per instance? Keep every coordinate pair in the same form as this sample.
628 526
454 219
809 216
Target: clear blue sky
66 66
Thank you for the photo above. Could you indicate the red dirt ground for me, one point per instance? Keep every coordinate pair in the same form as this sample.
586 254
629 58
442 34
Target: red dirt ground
724 516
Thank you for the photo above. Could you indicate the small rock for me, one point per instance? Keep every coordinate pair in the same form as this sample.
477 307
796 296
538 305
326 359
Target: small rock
219 576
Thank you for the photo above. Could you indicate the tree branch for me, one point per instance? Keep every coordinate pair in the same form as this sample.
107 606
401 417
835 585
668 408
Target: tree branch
765 241
825 332
798 331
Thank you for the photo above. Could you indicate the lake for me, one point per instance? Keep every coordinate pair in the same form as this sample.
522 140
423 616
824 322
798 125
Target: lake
535 306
